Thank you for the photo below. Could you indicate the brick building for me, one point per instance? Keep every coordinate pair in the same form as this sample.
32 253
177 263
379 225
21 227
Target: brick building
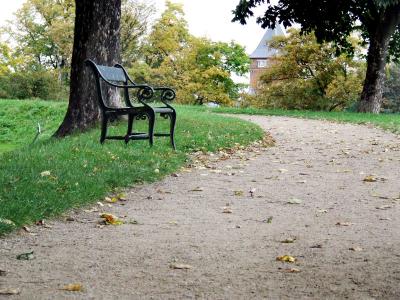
260 56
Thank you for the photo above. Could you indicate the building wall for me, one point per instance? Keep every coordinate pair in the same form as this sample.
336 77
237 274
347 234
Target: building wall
256 69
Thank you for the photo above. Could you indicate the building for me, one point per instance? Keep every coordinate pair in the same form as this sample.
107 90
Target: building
260 56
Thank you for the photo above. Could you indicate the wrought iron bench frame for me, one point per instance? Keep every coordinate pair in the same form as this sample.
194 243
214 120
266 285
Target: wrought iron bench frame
117 77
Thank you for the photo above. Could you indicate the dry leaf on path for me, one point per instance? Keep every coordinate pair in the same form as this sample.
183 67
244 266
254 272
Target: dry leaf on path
291 270
45 173
72 287
7 291
286 258
356 249
383 207
26 256
197 189
370 178
226 210
343 223
288 241
238 193
3 273
295 201
180 266
110 219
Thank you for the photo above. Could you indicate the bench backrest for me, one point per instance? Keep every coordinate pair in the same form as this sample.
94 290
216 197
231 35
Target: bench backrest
105 74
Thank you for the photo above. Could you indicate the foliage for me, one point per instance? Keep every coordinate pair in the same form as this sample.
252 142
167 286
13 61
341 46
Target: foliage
334 21
199 69
330 20
308 75
392 89
82 171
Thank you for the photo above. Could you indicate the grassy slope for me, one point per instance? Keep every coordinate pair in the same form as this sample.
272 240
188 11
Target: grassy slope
82 170
386 121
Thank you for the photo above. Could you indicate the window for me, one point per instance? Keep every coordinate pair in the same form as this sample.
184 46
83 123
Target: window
262 63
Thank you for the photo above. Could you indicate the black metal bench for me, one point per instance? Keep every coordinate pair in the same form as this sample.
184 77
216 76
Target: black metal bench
118 78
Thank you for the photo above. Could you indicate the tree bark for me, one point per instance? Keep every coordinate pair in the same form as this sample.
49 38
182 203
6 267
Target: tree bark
97 25
379 34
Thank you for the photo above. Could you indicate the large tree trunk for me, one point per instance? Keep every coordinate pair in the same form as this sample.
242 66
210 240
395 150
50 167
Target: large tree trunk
371 96
97 25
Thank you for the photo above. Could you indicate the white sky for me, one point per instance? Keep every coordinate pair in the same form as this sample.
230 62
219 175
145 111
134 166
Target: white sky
210 18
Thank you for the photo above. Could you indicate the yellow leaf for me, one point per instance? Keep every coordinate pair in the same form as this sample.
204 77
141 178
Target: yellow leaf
111 219
370 178
286 258
73 287
238 193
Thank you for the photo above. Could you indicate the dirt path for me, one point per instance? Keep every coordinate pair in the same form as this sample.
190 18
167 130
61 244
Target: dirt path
318 166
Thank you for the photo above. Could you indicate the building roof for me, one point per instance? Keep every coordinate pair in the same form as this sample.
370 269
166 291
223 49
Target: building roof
262 50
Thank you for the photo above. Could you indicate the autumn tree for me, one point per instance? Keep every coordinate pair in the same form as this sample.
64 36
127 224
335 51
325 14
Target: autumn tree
308 75
335 20
199 69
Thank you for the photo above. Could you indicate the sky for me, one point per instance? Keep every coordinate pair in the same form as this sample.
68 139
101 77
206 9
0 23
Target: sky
213 23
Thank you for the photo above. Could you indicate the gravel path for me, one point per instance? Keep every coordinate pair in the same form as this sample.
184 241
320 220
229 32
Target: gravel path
225 220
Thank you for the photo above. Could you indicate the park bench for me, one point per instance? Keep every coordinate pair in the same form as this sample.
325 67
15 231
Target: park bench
116 77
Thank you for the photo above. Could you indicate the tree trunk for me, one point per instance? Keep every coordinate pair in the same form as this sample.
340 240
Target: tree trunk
371 96
97 25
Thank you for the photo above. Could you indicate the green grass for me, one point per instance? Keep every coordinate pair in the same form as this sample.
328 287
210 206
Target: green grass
83 171
386 121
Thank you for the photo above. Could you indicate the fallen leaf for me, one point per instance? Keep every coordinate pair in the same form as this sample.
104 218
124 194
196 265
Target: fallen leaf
180 266
111 200
283 170
3 273
356 249
317 246
268 220
197 189
26 256
226 210
383 207
322 211
76 287
291 270
286 258
7 222
26 228
100 204
370 178
121 197
343 223
110 219
238 193
9 291
295 201
288 241
252 191
175 175
45 173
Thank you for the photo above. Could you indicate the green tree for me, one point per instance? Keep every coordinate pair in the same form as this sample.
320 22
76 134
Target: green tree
308 75
335 20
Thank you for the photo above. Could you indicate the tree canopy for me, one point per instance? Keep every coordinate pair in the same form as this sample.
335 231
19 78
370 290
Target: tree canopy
335 20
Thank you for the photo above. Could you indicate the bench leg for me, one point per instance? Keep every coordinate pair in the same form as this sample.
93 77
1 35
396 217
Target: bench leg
152 120
172 129
103 128
131 118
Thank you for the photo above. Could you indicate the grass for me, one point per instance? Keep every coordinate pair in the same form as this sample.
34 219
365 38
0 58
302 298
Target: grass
80 170
389 122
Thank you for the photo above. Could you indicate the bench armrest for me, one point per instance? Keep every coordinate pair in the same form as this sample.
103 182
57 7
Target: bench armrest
167 94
